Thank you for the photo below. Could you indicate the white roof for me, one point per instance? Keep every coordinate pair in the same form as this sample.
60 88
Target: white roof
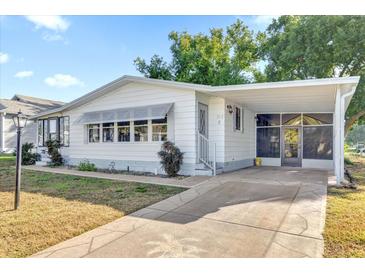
248 94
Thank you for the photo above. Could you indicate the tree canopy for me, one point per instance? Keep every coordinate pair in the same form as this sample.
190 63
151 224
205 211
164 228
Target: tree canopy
303 47
219 58
292 47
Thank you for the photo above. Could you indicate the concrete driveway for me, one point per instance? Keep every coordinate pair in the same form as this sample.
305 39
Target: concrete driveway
254 212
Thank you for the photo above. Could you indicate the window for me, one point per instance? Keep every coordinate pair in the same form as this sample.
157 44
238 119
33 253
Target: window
294 119
108 132
40 133
124 134
317 118
61 124
94 133
318 142
268 142
45 132
237 119
268 120
52 129
159 129
64 130
141 131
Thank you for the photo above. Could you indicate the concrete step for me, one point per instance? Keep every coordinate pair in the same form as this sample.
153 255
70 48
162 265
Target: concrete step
42 163
200 166
203 172
218 171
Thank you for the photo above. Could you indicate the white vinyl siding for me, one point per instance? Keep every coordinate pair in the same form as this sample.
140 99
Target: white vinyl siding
29 133
180 118
239 145
215 121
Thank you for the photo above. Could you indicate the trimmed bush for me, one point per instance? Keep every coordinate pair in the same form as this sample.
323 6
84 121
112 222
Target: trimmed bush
171 158
86 166
54 152
28 157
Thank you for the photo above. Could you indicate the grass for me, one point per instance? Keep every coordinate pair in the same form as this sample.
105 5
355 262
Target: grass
56 207
345 220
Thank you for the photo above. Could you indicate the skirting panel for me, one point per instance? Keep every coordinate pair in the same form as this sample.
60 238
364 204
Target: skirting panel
140 166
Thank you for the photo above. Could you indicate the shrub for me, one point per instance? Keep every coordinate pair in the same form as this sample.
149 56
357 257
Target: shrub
28 157
171 158
86 166
54 153
348 161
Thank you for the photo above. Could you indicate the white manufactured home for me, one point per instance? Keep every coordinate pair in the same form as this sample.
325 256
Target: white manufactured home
222 128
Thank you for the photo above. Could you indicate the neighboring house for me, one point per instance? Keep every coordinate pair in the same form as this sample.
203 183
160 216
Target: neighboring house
29 106
219 129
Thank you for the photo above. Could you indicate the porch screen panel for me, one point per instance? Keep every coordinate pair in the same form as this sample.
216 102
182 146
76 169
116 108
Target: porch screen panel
291 119
268 142
317 118
318 142
264 120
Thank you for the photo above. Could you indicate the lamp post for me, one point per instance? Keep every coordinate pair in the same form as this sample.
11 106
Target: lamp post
20 122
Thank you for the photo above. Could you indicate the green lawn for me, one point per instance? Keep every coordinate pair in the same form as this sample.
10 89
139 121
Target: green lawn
56 207
345 220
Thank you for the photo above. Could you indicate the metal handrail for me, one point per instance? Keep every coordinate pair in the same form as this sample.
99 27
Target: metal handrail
204 155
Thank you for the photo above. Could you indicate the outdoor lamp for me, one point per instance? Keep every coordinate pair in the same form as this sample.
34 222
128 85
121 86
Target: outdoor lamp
20 121
230 109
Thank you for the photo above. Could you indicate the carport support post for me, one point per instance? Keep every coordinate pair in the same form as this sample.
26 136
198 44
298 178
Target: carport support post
339 156
337 135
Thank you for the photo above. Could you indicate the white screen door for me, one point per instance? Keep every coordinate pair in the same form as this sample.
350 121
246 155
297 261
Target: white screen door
203 119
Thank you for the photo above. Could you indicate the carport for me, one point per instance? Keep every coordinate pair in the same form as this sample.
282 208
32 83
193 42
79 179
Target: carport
306 109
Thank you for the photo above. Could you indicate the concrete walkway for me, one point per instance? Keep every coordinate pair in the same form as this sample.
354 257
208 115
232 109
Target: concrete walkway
255 212
187 182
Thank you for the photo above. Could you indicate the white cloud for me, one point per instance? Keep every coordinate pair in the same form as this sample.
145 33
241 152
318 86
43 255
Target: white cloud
264 20
52 37
55 22
24 74
63 81
4 58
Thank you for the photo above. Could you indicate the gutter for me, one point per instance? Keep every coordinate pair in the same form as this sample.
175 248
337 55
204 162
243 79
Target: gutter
202 88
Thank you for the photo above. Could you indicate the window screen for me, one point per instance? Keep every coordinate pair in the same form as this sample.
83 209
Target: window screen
108 132
141 131
159 129
40 133
268 142
53 129
317 118
124 131
237 119
94 133
268 120
294 119
66 131
318 142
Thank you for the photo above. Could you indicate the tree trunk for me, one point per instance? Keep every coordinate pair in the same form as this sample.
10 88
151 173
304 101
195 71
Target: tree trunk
352 120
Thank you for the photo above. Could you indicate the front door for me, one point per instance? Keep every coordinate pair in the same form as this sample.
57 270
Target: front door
203 119
291 146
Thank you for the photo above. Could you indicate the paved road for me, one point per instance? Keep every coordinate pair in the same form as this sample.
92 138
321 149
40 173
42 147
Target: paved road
255 212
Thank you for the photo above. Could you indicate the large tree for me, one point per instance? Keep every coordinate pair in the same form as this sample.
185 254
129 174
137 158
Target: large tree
218 58
302 47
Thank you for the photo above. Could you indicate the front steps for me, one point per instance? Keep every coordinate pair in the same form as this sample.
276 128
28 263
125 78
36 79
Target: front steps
202 170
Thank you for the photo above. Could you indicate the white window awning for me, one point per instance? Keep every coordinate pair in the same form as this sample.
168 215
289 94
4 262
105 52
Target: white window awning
126 114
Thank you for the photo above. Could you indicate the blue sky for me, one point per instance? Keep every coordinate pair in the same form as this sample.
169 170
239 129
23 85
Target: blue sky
64 57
